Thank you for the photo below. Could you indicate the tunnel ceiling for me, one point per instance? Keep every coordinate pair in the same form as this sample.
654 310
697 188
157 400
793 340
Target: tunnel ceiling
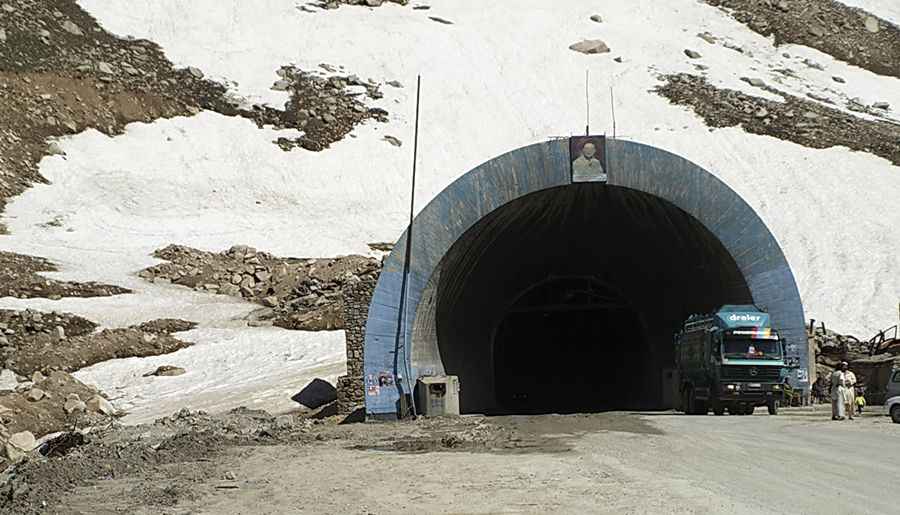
506 260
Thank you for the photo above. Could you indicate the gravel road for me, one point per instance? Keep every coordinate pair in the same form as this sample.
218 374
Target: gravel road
606 463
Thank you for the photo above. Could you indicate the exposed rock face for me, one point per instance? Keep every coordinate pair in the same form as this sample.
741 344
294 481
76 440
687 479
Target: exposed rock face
302 294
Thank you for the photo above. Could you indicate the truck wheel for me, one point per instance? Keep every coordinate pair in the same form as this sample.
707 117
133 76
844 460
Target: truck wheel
772 405
895 413
701 407
718 409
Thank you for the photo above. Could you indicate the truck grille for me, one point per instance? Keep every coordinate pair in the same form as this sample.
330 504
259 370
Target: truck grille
745 373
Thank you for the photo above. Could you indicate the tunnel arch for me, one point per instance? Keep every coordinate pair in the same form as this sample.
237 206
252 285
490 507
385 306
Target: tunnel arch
660 228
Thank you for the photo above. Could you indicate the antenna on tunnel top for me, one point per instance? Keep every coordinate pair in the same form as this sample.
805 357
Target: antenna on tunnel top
587 102
612 105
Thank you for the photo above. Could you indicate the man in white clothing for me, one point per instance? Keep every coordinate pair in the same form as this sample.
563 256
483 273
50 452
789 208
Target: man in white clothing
838 390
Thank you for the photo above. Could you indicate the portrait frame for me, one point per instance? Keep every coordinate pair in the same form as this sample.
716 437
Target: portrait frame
584 167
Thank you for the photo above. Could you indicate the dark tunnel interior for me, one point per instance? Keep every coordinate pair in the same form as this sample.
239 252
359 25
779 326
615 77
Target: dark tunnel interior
566 300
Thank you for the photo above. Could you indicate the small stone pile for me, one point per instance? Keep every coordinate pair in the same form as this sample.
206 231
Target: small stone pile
303 294
16 326
19 278
832 348
34 341
325 108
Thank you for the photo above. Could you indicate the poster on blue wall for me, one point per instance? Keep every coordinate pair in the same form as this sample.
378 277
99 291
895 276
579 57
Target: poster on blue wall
587 155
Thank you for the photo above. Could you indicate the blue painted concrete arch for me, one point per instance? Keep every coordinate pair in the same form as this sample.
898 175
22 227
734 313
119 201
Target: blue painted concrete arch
389 340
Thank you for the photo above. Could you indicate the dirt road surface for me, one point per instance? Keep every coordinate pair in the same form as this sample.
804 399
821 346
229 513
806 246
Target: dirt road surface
605 463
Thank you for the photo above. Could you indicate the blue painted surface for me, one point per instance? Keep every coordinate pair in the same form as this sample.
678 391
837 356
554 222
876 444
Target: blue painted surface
546 165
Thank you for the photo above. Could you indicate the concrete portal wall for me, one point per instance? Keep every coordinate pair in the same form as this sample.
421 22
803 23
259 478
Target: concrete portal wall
389 346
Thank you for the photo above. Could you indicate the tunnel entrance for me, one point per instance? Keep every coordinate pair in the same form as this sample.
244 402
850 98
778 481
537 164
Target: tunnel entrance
661 239
584 322
567 300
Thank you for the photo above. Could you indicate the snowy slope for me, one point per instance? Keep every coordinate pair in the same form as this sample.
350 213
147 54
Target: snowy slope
500 77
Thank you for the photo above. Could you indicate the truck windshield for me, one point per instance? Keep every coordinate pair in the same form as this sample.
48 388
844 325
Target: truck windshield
751 348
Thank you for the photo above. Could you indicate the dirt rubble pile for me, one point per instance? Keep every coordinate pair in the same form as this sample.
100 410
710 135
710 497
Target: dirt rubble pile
847 33
33 341
42 405
871 369
166 451
19 278
801 121
303 294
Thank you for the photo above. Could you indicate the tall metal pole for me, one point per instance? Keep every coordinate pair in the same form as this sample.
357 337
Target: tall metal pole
408 260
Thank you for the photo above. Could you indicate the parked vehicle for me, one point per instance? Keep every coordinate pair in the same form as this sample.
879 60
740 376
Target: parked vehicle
893 396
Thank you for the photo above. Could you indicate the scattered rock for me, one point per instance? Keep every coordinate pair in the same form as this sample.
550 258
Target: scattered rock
71 28
58 334
881 105
35 394
8 380
106 68
195 72
440 20
839 80
393 141
692 54
19 444
596 18
37 377
758 83
590 46
270 301
98 404
2 36
74 404
166 371
872 24
709 38
812 64
394 83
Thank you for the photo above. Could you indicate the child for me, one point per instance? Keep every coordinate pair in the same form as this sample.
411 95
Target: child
860 402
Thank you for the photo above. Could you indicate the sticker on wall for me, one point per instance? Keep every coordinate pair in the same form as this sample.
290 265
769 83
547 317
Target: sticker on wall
587 155
373 391
385 379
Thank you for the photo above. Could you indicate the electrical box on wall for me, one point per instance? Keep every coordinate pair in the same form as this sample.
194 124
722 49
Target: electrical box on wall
437 396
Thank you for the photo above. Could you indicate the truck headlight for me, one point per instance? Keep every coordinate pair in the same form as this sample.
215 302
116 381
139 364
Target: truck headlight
729 386
776 387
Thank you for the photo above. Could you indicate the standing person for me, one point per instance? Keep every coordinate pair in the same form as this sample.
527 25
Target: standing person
849 384
817 390
837 394
860 399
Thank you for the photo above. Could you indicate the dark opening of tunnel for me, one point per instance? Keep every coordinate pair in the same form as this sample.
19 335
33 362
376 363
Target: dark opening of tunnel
566 300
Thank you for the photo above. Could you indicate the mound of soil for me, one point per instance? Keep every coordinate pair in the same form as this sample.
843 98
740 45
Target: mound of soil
19 278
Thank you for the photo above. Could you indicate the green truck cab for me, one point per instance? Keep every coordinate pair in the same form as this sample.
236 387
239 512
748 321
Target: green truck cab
731 359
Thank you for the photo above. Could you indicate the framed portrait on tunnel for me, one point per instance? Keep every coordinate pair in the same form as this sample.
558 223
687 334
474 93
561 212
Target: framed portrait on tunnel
587 156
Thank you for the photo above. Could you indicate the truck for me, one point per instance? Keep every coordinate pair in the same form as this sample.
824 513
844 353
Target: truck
731 360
